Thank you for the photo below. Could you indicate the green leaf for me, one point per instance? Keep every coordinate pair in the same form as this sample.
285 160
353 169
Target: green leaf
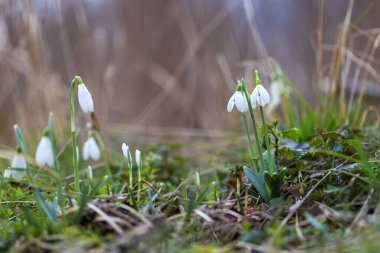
293 134
20 139
203 194
50 209
274 183
259 183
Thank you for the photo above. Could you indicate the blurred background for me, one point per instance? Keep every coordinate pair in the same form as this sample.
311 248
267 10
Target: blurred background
165 68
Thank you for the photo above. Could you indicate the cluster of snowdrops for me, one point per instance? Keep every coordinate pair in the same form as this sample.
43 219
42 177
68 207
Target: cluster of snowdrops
262 173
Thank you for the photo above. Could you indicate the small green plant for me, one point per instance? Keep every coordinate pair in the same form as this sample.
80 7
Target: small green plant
265 177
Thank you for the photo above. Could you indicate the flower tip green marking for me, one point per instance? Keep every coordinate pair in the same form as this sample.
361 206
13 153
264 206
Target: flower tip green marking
78 79
257 77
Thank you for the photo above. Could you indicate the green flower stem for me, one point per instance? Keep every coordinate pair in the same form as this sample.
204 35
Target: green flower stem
267 141
253 124
76 81
250 141
130 177
139 184
56 166
130 183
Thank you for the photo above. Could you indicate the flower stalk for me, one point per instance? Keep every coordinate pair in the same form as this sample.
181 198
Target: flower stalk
250 107
266 136
249 141
76 81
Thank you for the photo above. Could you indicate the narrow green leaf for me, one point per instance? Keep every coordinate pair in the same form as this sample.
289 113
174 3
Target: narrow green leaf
258 183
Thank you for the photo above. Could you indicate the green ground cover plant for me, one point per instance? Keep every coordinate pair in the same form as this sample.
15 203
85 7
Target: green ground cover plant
309 182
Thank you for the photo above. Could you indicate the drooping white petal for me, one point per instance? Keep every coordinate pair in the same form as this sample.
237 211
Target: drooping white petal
231 103
261 95
85 151
7 173
265 95
18 162
125 150
85 98
241 102
44 152
138 157
94 149
127 154
18 165
17 174
275 94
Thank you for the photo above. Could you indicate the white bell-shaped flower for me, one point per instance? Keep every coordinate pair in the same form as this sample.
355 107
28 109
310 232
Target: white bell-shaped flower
277 90
44 153
127 154
18 167
138 157
91 150
238 99
85 99
260 96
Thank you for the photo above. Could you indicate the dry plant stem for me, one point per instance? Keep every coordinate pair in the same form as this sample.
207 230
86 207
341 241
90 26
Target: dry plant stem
270 162
76 80
364 86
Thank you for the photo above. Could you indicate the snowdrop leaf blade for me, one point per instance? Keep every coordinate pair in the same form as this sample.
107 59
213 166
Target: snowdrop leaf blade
20 139
258 183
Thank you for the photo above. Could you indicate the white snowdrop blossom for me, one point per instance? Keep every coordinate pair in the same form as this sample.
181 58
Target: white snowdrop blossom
18 167
91 150
138 157
127 154
277 90
238 100
44 153
260 96
125 150
85 99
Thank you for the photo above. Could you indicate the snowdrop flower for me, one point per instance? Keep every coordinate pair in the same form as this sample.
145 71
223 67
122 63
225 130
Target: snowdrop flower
238 99
138 157
85 98
18 165
91 150
127 154
259 95
44 153
277 90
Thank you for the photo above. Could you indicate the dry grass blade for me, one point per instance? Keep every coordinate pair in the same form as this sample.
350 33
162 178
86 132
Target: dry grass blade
106 218
135 213
204 216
